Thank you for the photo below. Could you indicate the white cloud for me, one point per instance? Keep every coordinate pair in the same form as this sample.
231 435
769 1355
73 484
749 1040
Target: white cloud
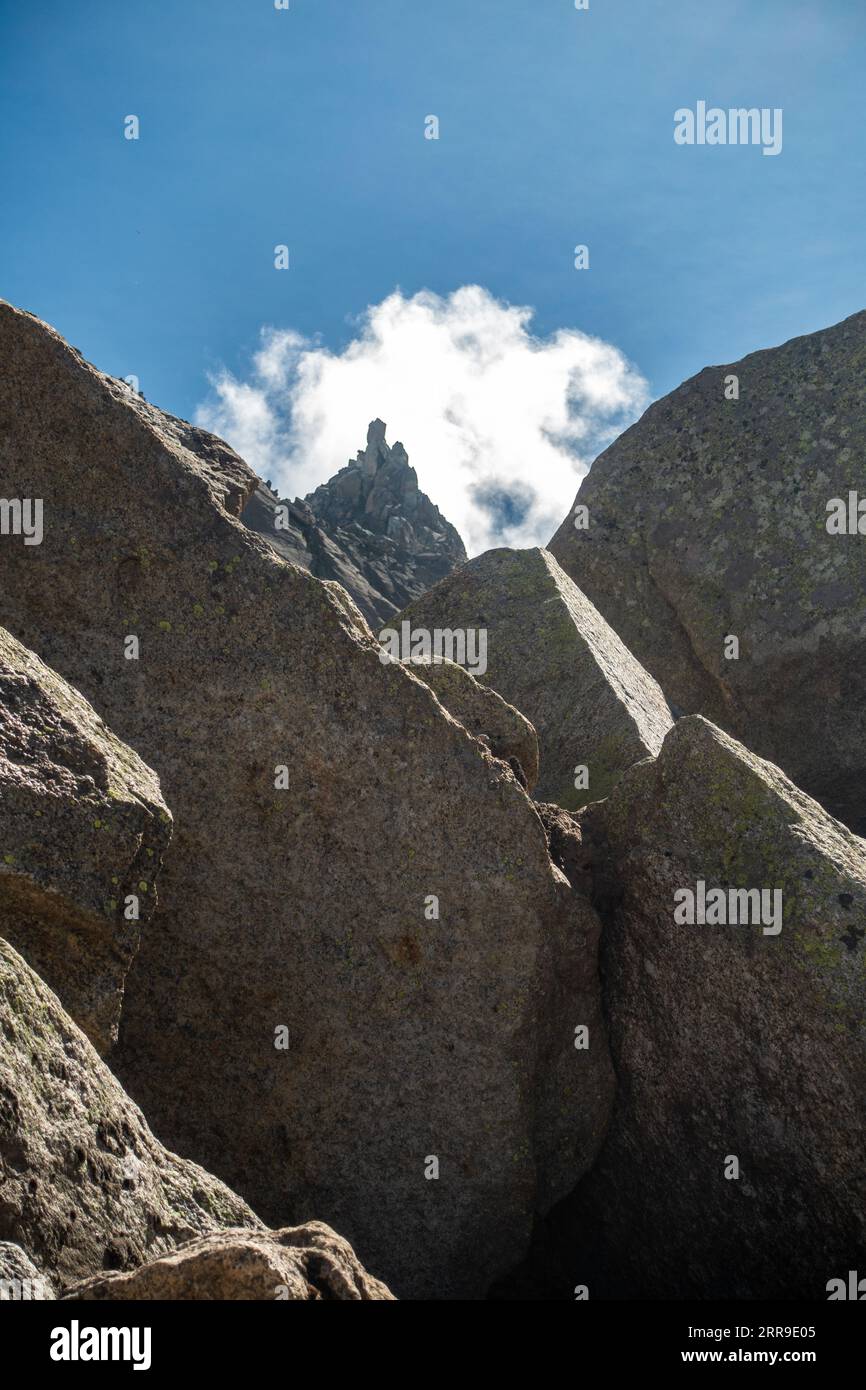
499 424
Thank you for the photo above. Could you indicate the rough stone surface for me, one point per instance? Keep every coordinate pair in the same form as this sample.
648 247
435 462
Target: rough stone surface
20 1280
708 519
726 1041
370 528
84 1185
82 826
304 909
484 713
304 1262
569 851
552 655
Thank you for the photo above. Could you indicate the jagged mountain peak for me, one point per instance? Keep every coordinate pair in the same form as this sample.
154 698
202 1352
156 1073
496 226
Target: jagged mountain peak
379 491
370 527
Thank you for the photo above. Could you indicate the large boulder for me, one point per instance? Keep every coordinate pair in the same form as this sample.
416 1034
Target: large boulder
734 1163
508 734
552 655
306 1019
83 828
304 1263
84 1185
708 520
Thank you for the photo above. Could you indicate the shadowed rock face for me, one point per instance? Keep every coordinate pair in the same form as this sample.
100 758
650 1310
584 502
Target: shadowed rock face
552 655
370 528
708 518
304 909
83 828
84 1185
727 1042
303 1263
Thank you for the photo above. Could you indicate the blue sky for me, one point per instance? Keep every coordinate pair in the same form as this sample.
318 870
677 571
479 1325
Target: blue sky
305 127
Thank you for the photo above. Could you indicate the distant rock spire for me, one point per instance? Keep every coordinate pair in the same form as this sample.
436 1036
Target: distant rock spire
379 491
370 527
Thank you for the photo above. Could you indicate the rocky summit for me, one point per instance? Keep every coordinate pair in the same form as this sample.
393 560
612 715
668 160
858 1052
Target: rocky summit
550 653
361 1000
722 537
370 528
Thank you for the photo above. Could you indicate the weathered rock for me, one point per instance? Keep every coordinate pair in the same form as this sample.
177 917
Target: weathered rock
483 712
554 657
568 849
708 519
20 1280
82 831
728 1041
409 1037
369 527
303 1262
84 1185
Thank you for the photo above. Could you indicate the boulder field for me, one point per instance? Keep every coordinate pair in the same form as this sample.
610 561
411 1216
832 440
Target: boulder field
608 1043
359 1000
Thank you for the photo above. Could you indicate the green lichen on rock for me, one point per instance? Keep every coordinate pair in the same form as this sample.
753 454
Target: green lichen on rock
86 1186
